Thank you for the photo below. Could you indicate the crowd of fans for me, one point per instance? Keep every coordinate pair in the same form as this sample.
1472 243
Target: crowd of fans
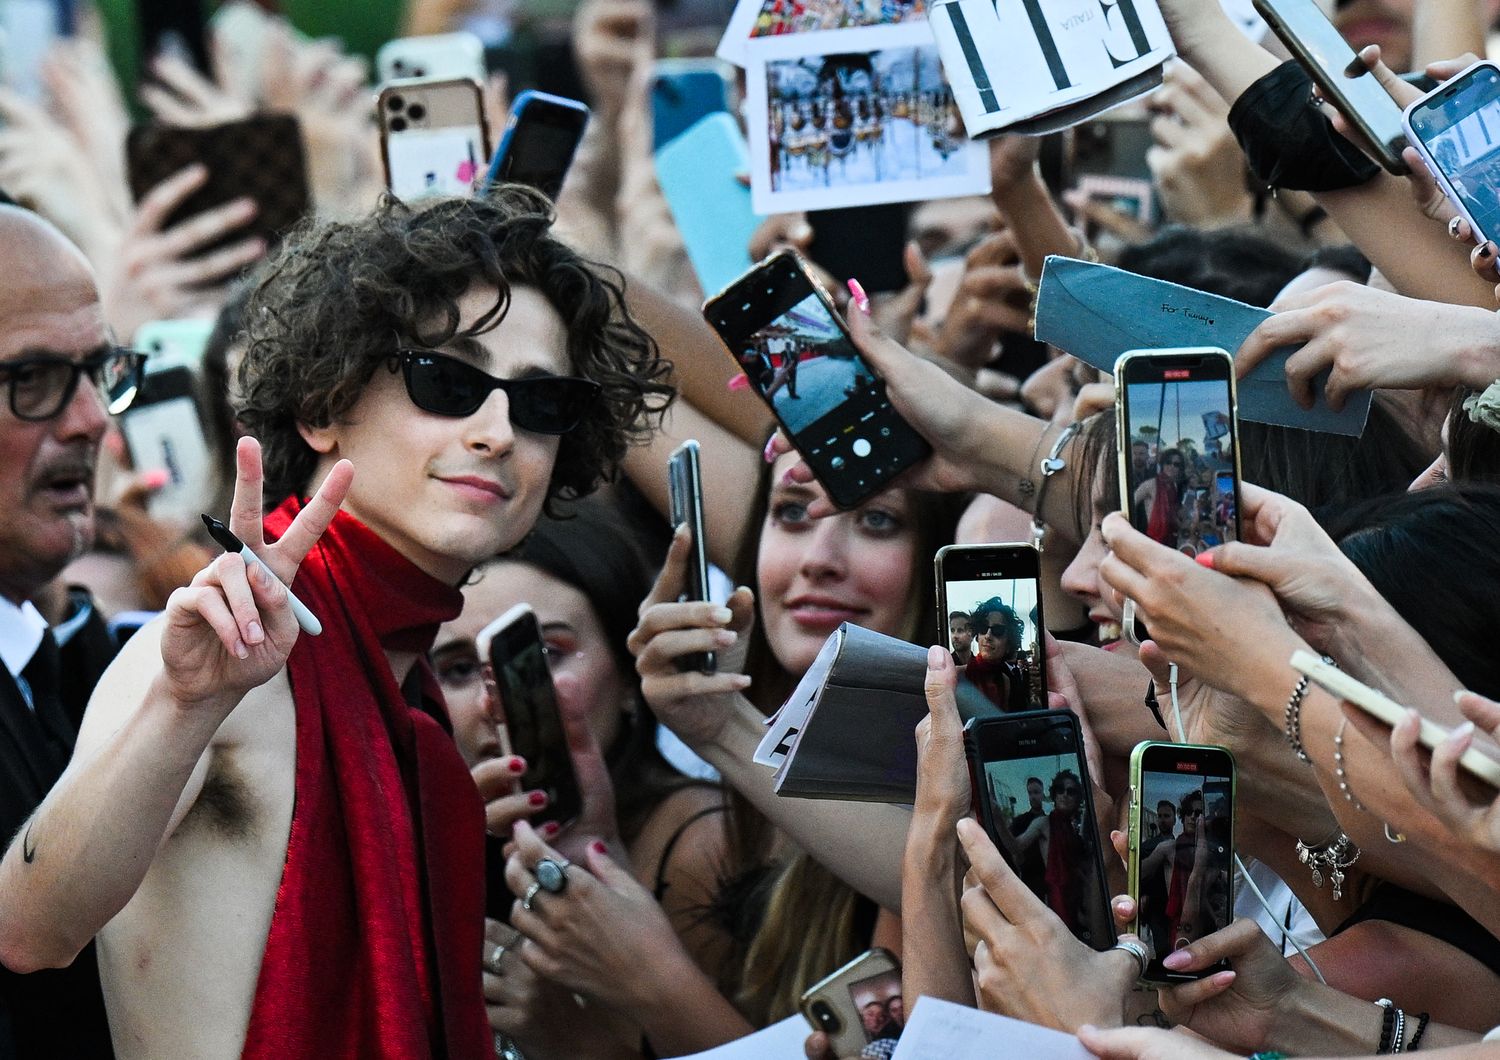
226 836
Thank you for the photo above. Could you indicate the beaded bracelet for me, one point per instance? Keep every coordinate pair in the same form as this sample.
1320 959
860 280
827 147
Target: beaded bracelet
1416 1039
1294 718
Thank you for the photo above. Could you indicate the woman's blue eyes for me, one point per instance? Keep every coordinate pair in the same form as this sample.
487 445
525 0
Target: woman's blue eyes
875 520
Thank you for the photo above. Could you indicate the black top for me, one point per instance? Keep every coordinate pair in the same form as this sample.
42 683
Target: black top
1442 920
54 1013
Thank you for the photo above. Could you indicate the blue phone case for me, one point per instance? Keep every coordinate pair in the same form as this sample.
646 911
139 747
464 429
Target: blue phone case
699 176
517 109
681 99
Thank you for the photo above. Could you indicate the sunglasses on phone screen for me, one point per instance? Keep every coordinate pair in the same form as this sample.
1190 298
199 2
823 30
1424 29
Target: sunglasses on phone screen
447 386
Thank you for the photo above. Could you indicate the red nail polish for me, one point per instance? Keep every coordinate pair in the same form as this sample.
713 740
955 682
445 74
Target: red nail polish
537 798
1205 559
517 764
551 828
598 847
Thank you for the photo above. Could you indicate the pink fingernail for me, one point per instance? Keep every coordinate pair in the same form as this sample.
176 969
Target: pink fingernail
769 452
517 764
1177 959
1205 559
156 478
537 799
861 300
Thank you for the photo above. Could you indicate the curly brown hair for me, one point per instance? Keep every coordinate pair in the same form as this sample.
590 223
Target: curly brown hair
338 298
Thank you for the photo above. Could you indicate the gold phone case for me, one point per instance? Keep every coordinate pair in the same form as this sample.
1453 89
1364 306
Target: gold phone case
451 103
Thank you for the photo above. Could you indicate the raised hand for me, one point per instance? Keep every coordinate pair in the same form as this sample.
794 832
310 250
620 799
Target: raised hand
232 628
692 704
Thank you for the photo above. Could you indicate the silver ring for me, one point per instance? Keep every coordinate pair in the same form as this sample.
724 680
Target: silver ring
1137 949
530 896
552 875
492 964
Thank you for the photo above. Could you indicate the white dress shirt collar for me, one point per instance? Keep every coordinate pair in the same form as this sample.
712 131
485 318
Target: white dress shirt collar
21 630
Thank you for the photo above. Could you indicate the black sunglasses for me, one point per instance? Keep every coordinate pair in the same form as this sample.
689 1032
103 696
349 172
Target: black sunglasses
447 386
41 386
1000 629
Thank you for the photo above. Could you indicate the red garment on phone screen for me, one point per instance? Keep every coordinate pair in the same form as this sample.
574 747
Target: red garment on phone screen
375 943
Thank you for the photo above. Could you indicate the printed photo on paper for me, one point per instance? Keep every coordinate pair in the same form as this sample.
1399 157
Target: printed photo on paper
777 18
873 122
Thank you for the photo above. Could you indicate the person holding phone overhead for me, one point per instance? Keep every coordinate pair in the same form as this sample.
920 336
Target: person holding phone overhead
303 835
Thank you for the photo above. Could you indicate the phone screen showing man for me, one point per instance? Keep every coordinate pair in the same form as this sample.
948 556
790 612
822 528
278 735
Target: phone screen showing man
994 623
1180 467
877 999
1461 129
1186 830
1045 822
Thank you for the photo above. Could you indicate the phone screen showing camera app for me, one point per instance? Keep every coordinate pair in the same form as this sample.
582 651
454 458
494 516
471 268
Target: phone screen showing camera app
995 633
1186 832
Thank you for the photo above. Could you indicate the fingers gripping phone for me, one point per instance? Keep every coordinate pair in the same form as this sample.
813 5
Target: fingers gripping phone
539 142
434 137
1335 681
513 647
1178 431
685 486
785 335
1321 49
1032 793
990 602
858 1004
1456 129
1181 835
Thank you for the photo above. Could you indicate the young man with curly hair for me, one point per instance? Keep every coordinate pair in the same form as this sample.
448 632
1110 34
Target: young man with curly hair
273 834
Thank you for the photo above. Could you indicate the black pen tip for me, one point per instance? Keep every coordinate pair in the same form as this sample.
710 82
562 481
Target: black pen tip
208 520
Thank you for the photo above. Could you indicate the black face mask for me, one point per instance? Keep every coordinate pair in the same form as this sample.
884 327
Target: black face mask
1289 142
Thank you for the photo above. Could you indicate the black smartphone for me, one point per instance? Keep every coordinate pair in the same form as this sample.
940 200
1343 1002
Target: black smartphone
1112 147
513 647
990 602
784 333
1032 794
685 488
1181 849
1317 44
864 243
539 142
1457 129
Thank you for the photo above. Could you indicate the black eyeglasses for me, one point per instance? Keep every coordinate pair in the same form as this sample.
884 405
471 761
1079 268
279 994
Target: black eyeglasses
1068 790
1001 629
41 386
447 386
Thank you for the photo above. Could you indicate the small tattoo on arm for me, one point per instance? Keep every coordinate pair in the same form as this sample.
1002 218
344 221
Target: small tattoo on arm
28 848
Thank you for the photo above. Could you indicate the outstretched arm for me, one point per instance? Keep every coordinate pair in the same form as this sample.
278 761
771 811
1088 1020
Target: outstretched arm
142 752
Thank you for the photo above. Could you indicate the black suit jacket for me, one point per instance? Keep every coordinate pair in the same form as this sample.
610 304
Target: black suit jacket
55 1013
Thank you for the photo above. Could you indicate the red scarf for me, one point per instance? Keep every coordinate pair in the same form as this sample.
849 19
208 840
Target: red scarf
1066 864
375 943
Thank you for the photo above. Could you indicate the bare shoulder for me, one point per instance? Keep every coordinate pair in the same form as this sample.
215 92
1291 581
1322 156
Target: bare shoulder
684 838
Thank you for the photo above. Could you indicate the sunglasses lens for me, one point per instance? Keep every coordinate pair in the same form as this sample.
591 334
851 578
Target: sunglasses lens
551 405
445 386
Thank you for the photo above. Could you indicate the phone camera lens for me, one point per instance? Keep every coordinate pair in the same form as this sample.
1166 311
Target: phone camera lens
398 125
416 112
399 66
828 1020
395 103
419 72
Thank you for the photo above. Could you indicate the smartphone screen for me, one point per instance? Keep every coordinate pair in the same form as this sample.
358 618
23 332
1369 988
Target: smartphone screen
797 354
1459 130
1033 795
163 432
990 603
518 656
1319 47
1112 147
1183 848
540 142
1178 466
434 138
685 489
858 1004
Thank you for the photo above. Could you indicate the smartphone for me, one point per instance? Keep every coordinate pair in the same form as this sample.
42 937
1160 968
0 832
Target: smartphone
168 343
28 30
683 93
784 333
513 648
1457 130
858 1004
1032 793
1478 764
163 430
260 157
685 486
1112 147
699 175
441 56
539 142
990 602
176 27
867 243
1313 40
433 137
1181 835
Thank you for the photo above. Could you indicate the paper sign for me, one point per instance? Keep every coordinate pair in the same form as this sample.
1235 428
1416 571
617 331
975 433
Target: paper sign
953 1032
780 1041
